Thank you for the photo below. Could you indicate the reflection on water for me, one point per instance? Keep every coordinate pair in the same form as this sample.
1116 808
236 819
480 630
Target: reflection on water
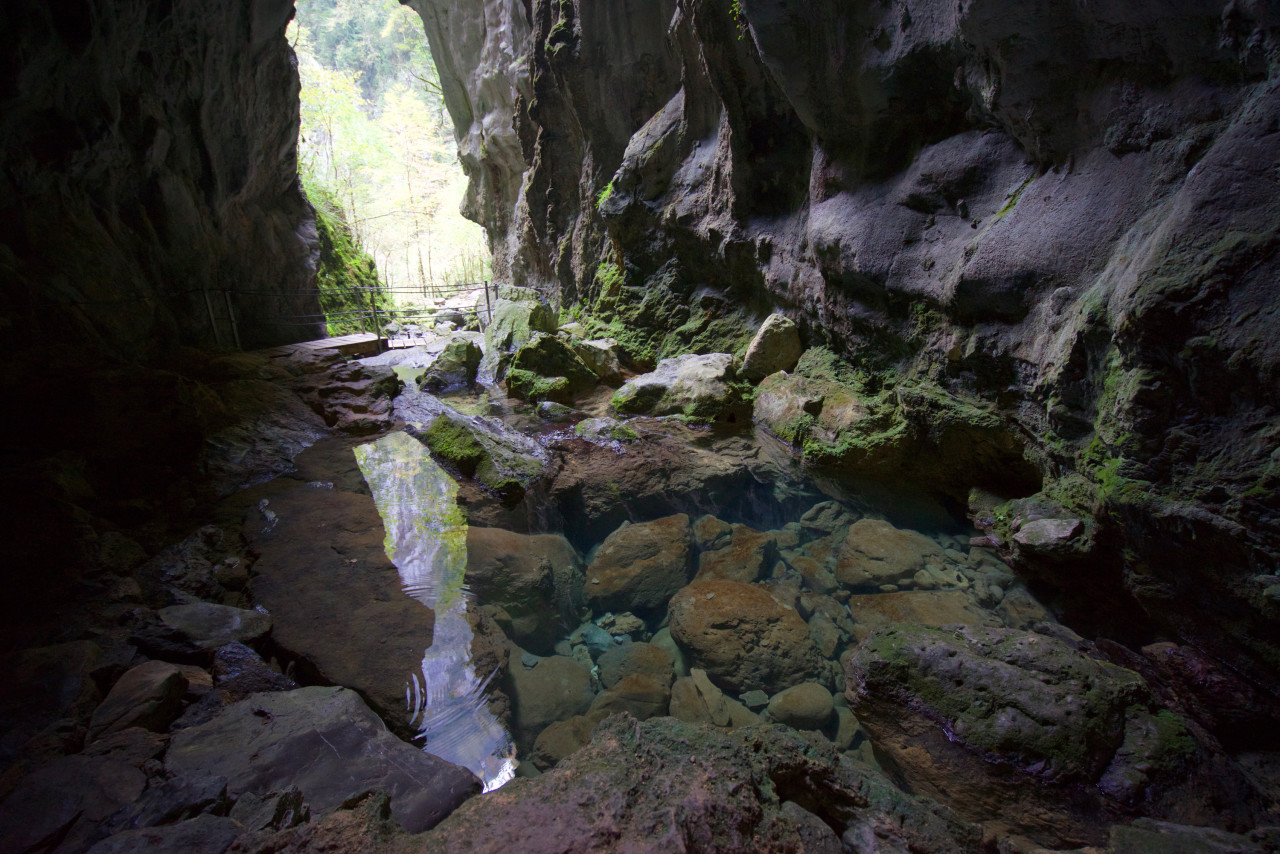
427 542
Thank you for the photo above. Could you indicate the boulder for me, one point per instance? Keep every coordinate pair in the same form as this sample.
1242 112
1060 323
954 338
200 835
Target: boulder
1024 728
663 640
204 834
874 553
1052 538
148 696
512 326
641 695
748 556
635 658
605 431
617 794
546 368
935 608
560 739
557 413
775 347
639 566
831 420
804 706
1146 836
711 533
239 671
502 460
67 800
536 579
209 626
698 387
134 746
455 366
554 689
601 356
514 323
327 743
827 517
742 636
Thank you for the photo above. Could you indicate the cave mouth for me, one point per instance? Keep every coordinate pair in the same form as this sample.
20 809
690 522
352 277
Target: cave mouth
378 161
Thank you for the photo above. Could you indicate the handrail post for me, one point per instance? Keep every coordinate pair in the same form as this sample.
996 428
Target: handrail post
377 326
213 321
235 327
488 306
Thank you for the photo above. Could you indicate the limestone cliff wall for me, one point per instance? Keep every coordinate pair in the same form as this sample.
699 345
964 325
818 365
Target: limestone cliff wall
148 157
1070 211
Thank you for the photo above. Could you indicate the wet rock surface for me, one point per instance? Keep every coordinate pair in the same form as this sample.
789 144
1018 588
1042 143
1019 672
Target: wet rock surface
1045 737
328 744
732 789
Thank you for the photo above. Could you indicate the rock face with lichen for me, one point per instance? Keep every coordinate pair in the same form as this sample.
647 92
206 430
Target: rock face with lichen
1044 241
1024 728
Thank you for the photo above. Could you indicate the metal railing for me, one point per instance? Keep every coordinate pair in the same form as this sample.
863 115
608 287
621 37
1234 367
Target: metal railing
376 319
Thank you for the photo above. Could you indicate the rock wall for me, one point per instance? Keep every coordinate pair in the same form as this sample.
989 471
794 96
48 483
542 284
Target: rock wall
1072 213
149 153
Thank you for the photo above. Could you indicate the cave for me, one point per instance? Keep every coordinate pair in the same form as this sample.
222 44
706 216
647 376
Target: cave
871 443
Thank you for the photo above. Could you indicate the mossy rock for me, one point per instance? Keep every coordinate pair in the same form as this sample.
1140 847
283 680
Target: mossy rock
1015 697
455 445
700 388
547 368
502 461
454 367
526 385
605 430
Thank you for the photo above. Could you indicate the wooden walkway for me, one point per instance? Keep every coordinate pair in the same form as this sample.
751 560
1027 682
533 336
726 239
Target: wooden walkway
359 344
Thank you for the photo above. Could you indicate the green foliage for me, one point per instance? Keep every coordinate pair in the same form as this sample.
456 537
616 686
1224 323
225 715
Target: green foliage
374 132
347 277
603 196
819 363
1174 742
739 18
378 40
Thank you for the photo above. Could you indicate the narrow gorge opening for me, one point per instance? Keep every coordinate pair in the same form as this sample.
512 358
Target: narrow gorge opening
378 162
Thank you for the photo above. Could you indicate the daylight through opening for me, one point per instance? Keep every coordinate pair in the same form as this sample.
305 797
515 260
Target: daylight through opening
379 163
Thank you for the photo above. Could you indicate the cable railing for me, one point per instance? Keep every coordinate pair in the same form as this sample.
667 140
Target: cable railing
399 327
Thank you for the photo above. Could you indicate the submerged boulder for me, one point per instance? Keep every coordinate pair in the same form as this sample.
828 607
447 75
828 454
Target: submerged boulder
552 689
639 566
874 552
536 579
742 636
702 388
